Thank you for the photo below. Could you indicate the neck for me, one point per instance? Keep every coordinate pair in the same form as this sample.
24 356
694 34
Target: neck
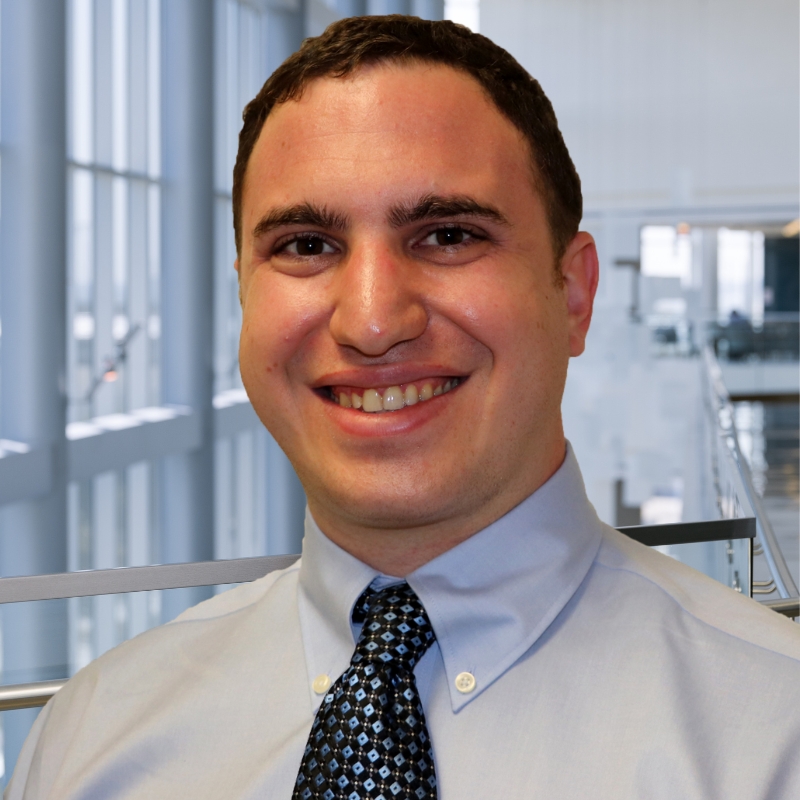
398 551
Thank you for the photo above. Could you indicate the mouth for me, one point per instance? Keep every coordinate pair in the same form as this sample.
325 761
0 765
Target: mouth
391 398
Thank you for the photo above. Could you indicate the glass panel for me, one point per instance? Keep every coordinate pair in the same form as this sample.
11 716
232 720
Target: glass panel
81 77
80 295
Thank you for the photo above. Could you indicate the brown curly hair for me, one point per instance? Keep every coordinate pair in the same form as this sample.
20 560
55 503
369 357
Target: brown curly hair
351 43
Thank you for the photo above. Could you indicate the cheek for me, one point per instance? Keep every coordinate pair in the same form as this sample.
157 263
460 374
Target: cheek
514 318
259 367
276 321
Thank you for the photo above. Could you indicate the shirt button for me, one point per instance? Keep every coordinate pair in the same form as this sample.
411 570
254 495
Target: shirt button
465 682
321 684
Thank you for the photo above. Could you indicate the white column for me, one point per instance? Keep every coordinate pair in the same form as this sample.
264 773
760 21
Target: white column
709 268
187 491
33 353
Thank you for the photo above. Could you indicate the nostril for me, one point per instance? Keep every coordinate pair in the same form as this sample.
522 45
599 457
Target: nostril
373 327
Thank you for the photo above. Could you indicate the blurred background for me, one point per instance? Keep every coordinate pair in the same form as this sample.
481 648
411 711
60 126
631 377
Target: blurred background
125 435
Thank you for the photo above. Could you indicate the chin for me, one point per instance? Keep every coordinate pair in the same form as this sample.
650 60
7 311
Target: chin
401 504
398 508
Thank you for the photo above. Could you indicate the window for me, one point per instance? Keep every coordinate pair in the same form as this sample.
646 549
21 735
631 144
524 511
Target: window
465 12
740 275
113 296
666 252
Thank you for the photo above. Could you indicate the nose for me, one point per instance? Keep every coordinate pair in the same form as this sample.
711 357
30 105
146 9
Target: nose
378 301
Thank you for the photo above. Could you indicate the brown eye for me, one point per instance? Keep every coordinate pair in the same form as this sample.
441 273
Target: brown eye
310 247
306 247
447 237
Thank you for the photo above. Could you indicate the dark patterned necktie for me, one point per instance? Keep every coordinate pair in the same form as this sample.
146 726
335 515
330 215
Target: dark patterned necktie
369 739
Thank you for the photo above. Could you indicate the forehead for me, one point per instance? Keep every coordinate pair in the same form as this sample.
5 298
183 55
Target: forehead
386 130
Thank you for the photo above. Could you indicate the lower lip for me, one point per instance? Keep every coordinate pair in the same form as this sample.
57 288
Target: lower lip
387 423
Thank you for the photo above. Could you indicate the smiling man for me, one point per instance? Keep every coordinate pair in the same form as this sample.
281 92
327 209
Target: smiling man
407 321
461 625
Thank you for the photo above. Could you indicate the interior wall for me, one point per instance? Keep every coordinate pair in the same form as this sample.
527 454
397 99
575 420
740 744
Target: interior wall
687 111
686 104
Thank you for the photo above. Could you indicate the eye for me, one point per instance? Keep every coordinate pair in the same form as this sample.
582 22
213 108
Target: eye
305 246
449 236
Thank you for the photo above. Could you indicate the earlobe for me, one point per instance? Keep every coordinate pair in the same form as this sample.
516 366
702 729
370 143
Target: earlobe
581 271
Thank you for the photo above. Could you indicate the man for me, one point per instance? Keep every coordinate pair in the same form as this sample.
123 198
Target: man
461 625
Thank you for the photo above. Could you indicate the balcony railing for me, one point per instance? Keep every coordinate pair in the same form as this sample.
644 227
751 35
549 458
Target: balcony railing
736 493
209 573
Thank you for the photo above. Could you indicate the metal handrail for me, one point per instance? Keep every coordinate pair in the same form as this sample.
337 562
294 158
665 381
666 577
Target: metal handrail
88 583
124 580
28 695
789 607
722 409
713 530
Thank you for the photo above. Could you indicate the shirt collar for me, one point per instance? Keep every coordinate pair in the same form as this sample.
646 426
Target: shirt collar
489 599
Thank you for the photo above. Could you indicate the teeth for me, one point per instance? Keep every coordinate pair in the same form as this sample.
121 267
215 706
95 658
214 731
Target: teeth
372 401
393 399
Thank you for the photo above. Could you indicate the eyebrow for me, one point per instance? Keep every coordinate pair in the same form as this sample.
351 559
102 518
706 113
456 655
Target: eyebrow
300 214
434 206
429 207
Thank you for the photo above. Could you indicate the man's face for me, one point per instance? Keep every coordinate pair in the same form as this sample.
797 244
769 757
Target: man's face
396 254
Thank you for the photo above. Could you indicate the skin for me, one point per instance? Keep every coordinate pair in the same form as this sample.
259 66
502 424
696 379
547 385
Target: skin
383 289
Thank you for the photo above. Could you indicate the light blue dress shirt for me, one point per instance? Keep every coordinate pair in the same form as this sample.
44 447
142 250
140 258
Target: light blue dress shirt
570 662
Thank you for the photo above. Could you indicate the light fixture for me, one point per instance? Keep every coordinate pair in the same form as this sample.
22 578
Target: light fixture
792 228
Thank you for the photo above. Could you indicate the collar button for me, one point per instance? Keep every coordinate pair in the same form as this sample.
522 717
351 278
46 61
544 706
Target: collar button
465 682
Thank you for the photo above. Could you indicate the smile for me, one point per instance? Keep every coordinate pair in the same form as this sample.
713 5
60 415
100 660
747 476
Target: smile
391 398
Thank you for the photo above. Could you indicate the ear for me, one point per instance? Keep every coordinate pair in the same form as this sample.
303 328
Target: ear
581 271
239 272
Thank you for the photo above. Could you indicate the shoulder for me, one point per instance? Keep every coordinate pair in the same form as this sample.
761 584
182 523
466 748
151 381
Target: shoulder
163 683
274 587
665 588
227 619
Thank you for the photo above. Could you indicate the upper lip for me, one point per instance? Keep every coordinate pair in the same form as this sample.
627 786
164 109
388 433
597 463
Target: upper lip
388 375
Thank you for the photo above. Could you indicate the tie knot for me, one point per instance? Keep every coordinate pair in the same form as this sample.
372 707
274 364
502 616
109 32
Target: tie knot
396 628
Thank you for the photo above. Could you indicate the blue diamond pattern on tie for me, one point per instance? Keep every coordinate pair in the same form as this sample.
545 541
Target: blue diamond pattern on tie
369 739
